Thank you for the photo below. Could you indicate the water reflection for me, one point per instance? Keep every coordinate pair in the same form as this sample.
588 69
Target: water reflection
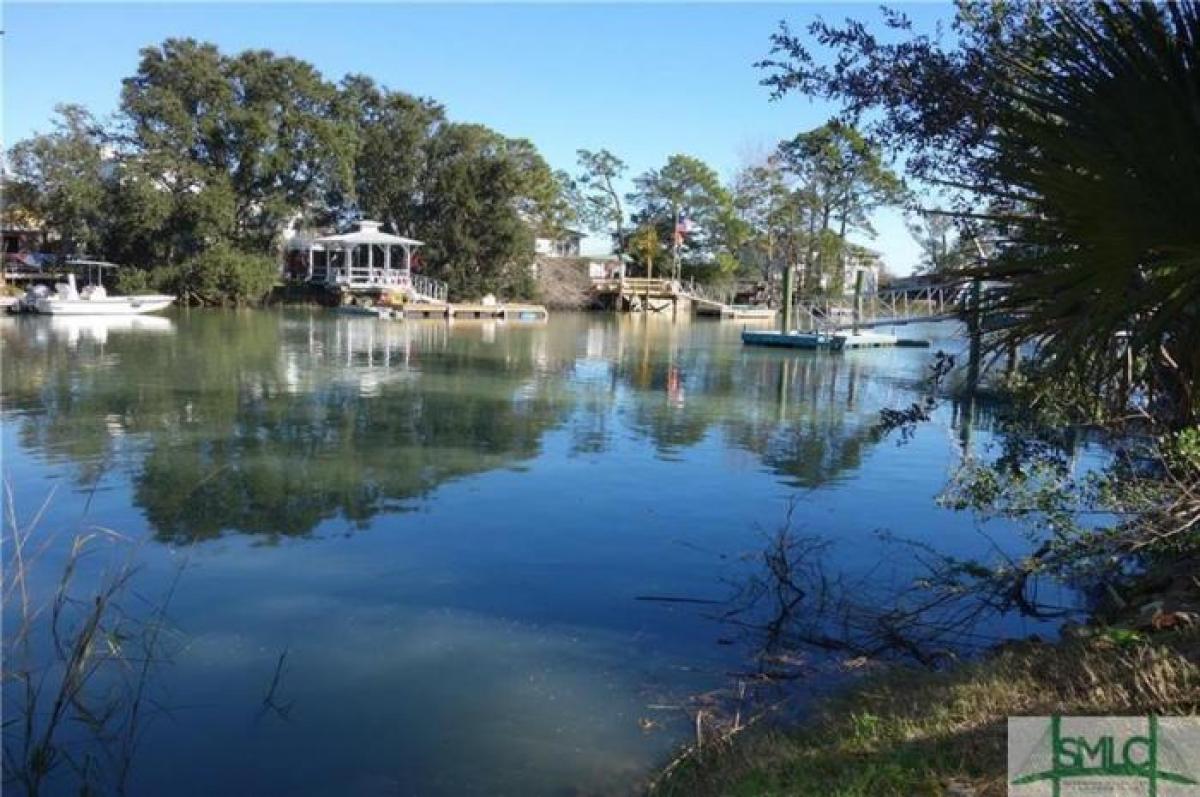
459 520
270 423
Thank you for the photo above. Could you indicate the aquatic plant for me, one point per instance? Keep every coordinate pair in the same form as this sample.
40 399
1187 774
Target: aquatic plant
79 665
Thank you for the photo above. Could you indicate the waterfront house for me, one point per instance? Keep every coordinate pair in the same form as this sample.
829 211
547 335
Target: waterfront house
365 259
567 243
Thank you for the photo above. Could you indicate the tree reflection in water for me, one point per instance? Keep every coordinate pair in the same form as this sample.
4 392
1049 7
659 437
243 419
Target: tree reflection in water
269 423
657 448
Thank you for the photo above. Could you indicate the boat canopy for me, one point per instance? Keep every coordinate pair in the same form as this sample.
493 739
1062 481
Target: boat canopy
96 264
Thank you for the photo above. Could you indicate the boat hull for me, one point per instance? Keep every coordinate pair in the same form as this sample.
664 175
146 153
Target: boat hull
111 305
787 340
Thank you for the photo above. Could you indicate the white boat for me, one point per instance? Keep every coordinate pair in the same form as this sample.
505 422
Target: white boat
93 299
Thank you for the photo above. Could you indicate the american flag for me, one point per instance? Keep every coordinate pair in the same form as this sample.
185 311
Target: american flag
682 228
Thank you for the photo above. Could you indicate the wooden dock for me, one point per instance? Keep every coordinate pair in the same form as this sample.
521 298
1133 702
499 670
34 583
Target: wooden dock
734 312
642 295
450 311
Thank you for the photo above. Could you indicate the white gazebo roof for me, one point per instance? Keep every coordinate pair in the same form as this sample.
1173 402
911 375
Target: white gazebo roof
367 233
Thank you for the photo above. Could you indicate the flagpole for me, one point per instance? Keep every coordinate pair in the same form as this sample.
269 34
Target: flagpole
675 245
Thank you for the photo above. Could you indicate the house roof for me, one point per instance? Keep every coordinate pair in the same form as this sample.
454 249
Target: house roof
368 232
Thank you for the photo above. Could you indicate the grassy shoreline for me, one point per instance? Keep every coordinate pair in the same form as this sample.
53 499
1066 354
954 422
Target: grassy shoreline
916 732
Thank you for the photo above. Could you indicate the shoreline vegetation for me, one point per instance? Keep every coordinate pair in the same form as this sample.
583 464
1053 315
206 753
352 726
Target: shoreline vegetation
915 732
1015 123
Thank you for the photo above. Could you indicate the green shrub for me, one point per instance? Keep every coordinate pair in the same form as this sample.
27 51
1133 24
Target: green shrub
221 276
131 281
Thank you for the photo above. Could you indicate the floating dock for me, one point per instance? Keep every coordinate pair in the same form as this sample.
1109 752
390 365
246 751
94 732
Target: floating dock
736 312
449 312
834 341
788 340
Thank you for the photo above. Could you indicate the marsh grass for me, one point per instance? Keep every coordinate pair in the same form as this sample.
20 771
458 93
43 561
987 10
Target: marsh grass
915 732
81 649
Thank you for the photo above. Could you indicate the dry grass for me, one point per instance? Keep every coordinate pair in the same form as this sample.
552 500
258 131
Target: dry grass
916 732
77 666
563 282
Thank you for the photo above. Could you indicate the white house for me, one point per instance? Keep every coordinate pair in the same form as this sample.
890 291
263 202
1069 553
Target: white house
364 258
568 244
858 259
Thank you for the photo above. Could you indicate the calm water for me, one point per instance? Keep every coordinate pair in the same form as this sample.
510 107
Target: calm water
446 528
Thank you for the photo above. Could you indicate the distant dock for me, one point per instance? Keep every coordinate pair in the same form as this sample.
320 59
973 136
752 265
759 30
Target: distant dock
643 295
735 312
450 311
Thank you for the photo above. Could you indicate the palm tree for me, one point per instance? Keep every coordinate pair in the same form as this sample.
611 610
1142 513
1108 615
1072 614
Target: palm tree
1098 151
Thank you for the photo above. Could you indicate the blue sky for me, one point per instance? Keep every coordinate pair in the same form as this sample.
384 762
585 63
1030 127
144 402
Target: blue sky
644 81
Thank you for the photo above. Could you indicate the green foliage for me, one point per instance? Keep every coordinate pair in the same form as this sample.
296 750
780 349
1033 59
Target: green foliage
687 188
942 249
1097 153
1123 637
238 143
801 204
776 215
930 98
470 193
392 134
1065 133
132 281
644 246
56 179
1186 447
600 205
221 152
845 180
220 276
481 191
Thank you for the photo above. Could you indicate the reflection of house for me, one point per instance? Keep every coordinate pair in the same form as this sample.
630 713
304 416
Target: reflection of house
568 243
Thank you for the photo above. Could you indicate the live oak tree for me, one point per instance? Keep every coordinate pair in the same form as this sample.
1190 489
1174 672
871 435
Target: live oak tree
930 100
483 195
239 143
392 131
474 196
56 180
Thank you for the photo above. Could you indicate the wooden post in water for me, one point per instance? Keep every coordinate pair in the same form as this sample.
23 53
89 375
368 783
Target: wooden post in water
975 332
786 316
858 284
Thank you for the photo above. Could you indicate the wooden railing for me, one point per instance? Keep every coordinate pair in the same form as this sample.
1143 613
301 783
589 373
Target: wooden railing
636 285
885 308
430 288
